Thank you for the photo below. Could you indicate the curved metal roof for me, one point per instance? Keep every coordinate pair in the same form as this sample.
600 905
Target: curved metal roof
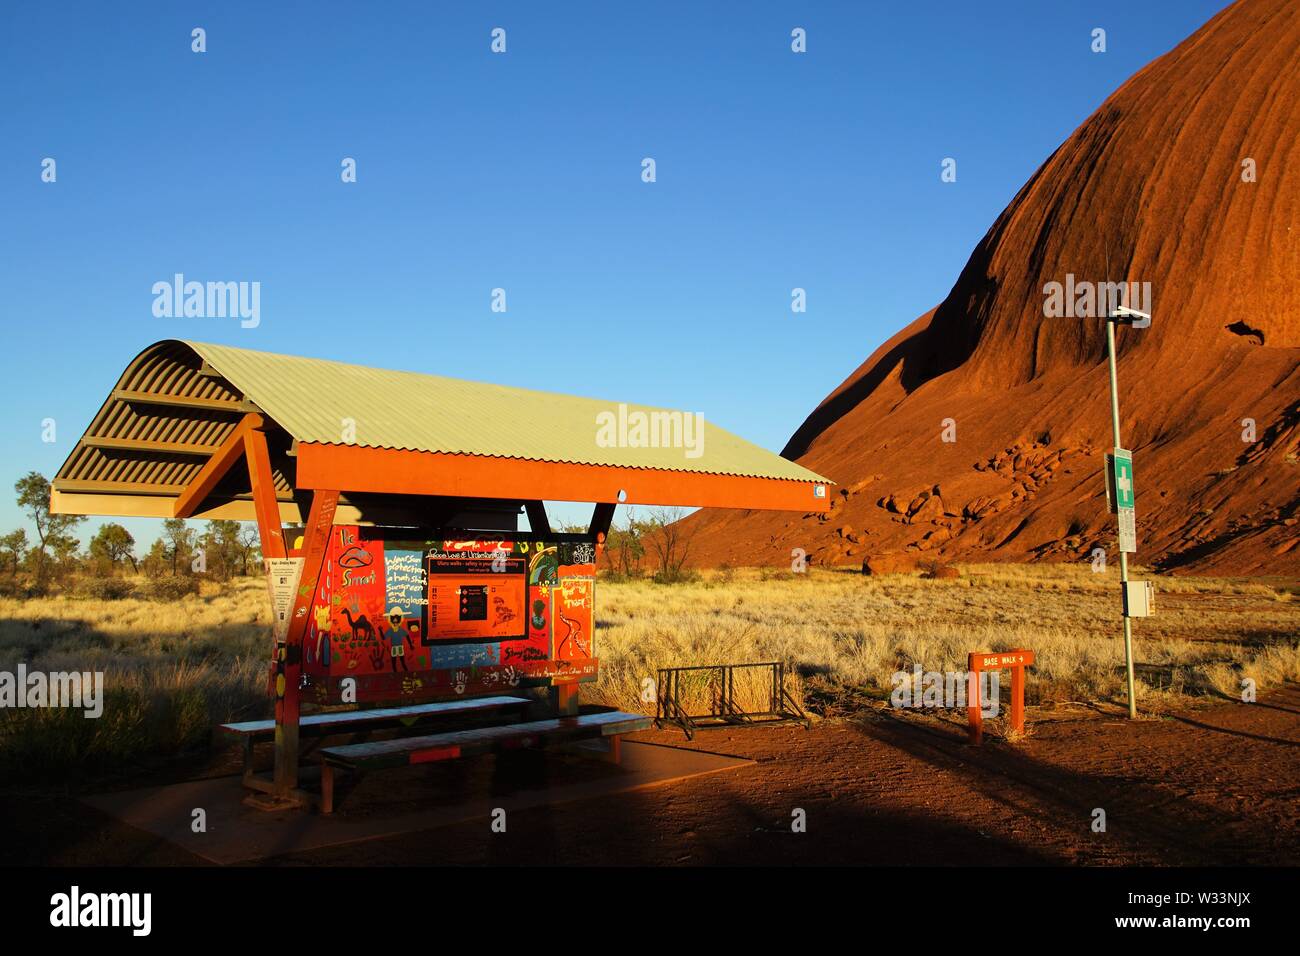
178 402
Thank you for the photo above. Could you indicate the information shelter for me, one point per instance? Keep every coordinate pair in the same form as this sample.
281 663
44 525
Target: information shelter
388 506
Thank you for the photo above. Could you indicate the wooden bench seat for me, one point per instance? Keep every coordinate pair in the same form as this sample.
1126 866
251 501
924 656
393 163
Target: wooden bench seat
465 743
380 718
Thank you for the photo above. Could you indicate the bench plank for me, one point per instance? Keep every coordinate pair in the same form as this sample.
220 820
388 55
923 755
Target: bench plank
267 727
458 743
463 743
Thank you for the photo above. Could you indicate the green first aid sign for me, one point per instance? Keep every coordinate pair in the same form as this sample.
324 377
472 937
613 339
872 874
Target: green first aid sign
1122 478
1119 494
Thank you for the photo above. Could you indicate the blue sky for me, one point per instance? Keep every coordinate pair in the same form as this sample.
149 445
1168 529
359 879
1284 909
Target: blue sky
522 171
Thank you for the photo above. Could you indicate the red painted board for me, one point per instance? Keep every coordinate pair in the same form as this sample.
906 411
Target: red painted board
434 754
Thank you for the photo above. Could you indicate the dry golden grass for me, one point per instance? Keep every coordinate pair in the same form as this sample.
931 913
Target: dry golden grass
845 635
177 668
171 672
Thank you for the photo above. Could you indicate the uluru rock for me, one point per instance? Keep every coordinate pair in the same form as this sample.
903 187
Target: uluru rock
1184 178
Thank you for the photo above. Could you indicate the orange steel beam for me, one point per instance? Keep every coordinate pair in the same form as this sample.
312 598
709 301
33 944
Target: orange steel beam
215 469
601 518
399 471
264 501
537 520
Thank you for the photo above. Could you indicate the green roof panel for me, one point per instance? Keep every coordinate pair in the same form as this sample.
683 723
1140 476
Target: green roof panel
316 400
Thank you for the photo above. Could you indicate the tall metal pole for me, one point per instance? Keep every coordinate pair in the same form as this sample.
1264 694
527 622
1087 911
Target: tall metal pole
1123 557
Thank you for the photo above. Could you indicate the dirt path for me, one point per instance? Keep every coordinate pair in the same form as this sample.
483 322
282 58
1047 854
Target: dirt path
1214 785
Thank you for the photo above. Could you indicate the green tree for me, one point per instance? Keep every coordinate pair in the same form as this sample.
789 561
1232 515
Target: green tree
64 548
179 539
53 531
12 547
223 548
158 561
250 544
670 542
114 544
626 546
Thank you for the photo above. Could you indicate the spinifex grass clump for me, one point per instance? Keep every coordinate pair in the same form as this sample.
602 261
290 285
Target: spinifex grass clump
171 670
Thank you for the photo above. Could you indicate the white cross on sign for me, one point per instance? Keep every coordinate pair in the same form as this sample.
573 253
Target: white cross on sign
1120 477
1120 473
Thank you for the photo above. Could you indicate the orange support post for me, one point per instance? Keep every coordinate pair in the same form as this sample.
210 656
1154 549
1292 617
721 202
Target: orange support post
974 716
264 500
976 663
566 700
1018 698
221 462
288 654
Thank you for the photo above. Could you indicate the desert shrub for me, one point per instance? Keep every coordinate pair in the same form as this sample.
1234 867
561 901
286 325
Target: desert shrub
676 576
104 589
13 587
174 588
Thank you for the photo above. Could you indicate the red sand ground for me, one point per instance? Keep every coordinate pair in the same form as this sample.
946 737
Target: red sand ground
1215 785
1153 182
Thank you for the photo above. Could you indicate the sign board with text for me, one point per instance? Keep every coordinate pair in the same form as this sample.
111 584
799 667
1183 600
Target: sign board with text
282 576
1120 497
990 662
1016 661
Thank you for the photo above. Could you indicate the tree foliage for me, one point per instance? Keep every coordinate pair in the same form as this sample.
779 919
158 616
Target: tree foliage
112 545
53 531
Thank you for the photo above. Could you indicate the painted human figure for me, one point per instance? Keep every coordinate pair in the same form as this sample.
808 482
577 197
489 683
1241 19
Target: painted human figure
397 638
322 616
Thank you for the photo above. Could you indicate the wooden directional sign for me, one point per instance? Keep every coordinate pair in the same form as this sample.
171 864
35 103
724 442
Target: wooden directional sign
997 661
1120 496
977 661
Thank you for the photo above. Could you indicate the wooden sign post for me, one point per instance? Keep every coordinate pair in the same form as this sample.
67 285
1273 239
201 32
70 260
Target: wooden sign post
976 663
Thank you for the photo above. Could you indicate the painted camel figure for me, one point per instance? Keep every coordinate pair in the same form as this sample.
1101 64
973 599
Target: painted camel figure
361 627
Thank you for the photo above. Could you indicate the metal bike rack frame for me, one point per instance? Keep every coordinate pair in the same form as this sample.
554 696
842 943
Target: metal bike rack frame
723 710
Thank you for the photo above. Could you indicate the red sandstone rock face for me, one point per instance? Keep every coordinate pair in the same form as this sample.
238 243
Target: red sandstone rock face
1153 183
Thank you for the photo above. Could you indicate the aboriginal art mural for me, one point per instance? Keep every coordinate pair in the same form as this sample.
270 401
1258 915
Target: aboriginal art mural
404 616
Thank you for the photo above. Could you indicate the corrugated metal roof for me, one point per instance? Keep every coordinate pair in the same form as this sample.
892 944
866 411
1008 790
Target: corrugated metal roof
315 399
135 445
169 369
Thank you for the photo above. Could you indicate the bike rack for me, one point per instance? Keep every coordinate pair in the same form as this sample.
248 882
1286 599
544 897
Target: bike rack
723 710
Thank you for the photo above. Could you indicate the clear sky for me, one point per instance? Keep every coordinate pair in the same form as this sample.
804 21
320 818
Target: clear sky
522 171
